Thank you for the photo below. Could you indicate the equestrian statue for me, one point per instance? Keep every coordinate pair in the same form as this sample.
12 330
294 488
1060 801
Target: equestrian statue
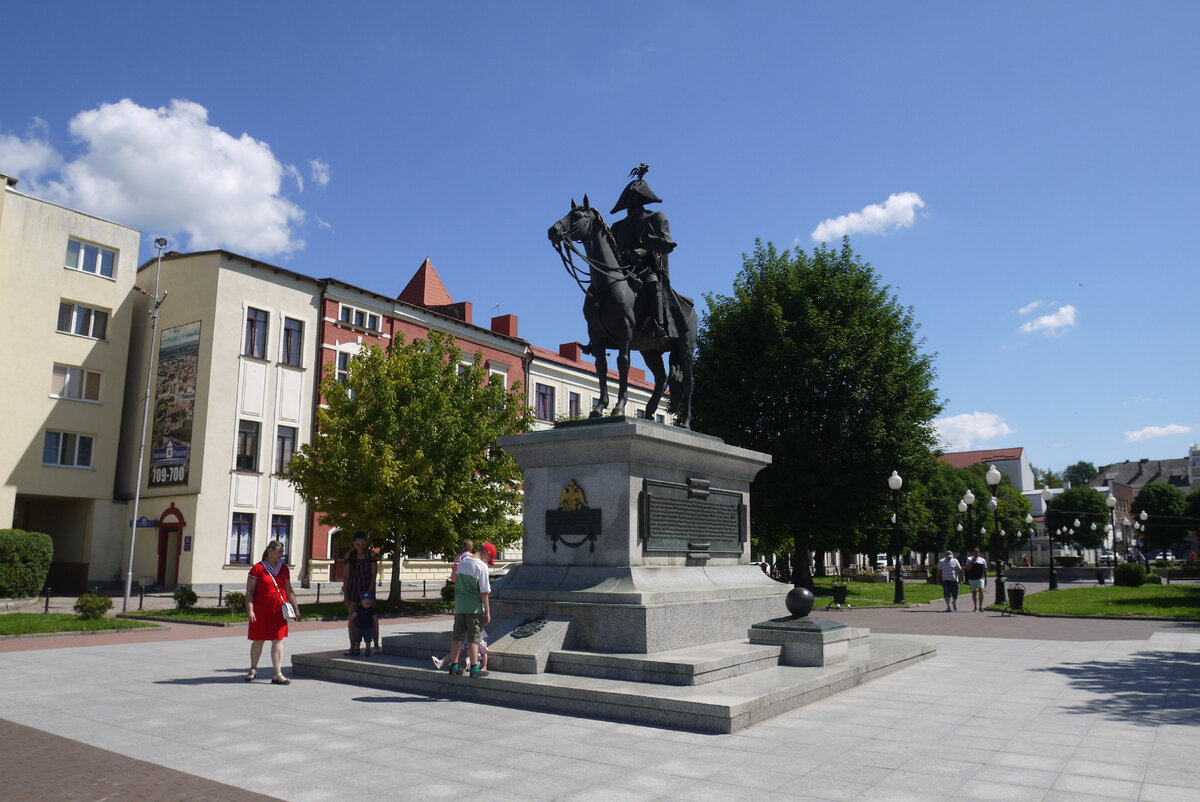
628 301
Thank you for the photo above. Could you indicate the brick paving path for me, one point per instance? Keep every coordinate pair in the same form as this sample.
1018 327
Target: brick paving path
39 766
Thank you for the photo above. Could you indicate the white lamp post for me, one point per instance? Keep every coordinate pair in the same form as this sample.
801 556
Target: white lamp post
895 481
159 243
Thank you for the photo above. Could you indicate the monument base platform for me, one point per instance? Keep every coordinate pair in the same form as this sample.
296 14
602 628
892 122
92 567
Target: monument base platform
638 609
730 685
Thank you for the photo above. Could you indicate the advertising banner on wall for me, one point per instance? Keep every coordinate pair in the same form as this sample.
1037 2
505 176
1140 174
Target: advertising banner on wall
174 405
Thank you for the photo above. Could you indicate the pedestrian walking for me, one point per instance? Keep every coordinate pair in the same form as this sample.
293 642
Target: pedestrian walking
268 589
949 572
976 573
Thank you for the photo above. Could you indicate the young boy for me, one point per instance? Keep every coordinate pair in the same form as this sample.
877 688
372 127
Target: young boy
472 610
364 624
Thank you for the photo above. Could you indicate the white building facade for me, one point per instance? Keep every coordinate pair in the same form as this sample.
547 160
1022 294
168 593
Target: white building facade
235 374
65 278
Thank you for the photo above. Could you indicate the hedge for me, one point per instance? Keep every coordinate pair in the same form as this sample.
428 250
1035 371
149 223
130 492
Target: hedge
24 562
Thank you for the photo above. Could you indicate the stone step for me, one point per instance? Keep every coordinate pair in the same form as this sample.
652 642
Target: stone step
720 706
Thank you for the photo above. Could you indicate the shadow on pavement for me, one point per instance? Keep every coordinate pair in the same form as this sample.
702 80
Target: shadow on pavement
1149 688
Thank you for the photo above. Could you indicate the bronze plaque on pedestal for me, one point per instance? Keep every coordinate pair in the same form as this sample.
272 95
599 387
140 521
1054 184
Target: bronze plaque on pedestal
693 518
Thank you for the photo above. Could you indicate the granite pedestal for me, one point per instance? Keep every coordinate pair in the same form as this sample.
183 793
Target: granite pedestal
639 533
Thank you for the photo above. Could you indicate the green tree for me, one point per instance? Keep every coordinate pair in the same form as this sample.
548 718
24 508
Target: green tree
1083 504
1167 507
812 360
1046 477
406 451
1192 511
1079 474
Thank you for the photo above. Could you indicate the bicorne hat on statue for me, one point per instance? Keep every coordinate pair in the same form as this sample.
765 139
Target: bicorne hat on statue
637 192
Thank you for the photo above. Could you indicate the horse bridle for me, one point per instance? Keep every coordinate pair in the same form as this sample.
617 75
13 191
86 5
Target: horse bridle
564 253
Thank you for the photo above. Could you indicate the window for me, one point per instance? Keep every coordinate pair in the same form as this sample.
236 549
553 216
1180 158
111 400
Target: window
285 447
639 413
247 445
83 320
660 418
75 383
281 530
90 258
293 341
240 535
343 366
67 449
358 318
573 405
256 333
544 402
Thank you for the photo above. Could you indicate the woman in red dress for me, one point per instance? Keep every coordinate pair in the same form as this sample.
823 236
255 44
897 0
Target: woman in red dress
267 588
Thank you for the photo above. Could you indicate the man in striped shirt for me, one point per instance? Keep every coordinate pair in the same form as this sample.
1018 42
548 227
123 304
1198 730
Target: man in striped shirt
472 611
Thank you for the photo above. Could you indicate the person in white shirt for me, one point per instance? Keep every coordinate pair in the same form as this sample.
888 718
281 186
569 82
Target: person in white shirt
949 572
976 573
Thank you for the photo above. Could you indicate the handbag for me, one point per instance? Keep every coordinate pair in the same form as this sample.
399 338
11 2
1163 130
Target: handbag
289 612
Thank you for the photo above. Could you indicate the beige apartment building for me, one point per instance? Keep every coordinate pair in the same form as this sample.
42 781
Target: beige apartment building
235 375
65 278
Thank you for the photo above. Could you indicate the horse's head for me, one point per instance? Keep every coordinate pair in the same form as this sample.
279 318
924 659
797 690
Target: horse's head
576 225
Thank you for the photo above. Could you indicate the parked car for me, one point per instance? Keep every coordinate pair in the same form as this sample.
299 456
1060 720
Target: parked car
1167 555
1105 556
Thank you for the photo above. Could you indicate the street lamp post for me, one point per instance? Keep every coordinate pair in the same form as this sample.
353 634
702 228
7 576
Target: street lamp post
159 243
1048 494
1029 527
969 499
1111 501
993 480
894 483
1144 516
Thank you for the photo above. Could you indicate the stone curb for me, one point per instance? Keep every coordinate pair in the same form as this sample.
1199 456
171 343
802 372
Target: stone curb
75 632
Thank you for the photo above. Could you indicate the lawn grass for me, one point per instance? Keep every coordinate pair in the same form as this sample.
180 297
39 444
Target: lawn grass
312 610
1159 601
878 594
33 623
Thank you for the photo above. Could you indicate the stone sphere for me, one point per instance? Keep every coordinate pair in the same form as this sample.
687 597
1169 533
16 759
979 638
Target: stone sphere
800 602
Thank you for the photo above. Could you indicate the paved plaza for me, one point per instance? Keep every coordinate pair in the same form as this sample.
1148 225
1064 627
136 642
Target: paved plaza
1010 708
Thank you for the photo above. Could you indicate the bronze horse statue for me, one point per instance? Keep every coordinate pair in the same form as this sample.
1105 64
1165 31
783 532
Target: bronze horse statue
614 316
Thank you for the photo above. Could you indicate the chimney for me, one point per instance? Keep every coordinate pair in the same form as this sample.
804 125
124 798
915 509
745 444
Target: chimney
571 351
459 311
506 325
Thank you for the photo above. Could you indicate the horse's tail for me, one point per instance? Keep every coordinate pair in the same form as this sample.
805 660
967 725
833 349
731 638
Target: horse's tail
674 376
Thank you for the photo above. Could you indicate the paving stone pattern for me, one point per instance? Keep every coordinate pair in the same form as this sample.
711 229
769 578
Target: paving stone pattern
1006 711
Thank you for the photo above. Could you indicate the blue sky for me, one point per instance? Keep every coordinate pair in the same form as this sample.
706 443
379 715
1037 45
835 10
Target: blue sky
1022 174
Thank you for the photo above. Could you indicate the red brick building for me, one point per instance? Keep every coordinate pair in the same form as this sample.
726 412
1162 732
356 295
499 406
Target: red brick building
352 318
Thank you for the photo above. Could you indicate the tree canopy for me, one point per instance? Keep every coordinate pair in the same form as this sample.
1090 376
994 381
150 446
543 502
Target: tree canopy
1046 477
1079 474
1167 507
812 360
406 451
1083 504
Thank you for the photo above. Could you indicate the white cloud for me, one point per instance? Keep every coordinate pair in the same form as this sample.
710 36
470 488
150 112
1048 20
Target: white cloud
1029 307
320 173
322 223
960 432
1151 432
168 171
294 174
29 158
1054 323
898 211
